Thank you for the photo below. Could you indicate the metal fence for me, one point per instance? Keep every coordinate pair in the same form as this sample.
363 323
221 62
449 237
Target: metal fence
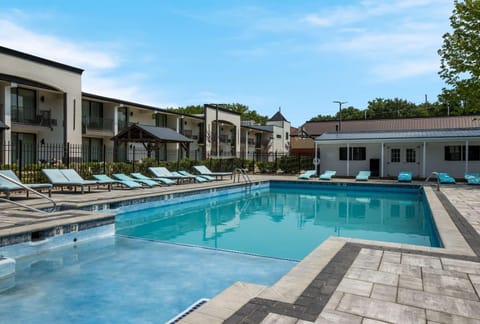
27 160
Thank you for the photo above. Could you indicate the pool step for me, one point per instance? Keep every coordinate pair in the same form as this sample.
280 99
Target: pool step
7 273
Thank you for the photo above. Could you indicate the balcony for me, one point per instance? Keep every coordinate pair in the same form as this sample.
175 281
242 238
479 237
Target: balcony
97 126
43 119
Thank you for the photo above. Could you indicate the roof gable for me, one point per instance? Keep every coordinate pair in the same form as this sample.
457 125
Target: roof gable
278 117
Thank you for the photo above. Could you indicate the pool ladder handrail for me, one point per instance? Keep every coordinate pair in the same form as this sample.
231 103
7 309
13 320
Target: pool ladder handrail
434 173
243 173
30 190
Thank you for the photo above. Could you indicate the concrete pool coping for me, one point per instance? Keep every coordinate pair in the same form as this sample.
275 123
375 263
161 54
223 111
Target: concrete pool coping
280 299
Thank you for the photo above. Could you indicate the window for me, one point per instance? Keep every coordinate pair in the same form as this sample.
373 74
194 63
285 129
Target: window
458 153
24 108
24 148
356 153
411 158
92 149
474 152
286 135
279 136
395 155
92 114
161 120
122 122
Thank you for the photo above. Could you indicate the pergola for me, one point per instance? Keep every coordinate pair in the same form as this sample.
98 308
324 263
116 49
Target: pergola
151 137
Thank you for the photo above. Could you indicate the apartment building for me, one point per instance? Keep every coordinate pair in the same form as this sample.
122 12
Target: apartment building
42 104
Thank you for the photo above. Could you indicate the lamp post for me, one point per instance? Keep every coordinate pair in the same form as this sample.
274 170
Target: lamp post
340 103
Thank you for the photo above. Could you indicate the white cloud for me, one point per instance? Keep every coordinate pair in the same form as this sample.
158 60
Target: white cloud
101 66
406 69
54 48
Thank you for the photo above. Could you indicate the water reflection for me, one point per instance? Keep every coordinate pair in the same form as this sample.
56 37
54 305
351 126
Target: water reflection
269 218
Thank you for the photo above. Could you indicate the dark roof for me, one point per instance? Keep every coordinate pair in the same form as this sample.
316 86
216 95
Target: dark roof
27 82
278 117
134 104
3 126
293 131
267 129
378 136
317 128
215 106
33 58
150 134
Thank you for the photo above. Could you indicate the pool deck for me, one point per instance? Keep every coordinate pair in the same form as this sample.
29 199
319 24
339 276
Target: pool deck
343 280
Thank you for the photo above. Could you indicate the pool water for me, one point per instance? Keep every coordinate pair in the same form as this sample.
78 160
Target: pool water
123 280
287 222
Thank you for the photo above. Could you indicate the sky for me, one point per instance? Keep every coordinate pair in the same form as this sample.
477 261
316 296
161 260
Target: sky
295 55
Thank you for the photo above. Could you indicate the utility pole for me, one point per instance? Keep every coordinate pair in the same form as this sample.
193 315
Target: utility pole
340 103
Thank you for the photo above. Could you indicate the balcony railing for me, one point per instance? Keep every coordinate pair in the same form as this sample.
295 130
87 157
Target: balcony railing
42 119
97 123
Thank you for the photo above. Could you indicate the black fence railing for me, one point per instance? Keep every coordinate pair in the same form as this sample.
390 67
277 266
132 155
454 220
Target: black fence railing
27 160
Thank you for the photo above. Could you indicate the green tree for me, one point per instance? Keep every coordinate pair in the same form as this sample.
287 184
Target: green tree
391 108
460 59
351 113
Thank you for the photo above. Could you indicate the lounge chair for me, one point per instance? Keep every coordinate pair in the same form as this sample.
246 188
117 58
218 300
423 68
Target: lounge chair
198 178
327 175
307 174
103 178
8 186
473 178
444 177
404 176
73 176
147 182
162 172
203 170
139 176
363 176
58 179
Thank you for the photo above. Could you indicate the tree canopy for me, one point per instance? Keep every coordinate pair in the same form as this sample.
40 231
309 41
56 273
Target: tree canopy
381 108
245 112
460 58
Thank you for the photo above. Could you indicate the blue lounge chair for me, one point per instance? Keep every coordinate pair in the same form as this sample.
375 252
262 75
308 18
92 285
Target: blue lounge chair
363 176
307 174
162 172
7 186
327 175
444 177
139 176
473 178
124 177
104 179
58 179
202 178
404 176
203 170
73 176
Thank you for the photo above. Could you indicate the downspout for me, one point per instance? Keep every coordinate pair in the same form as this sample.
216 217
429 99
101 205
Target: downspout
466 156
382 159
424 167
348 159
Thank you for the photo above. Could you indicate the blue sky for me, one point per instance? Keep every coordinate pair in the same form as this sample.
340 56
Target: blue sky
297 55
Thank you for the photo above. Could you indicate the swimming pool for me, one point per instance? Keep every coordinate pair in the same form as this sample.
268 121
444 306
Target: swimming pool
286 220
123 280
